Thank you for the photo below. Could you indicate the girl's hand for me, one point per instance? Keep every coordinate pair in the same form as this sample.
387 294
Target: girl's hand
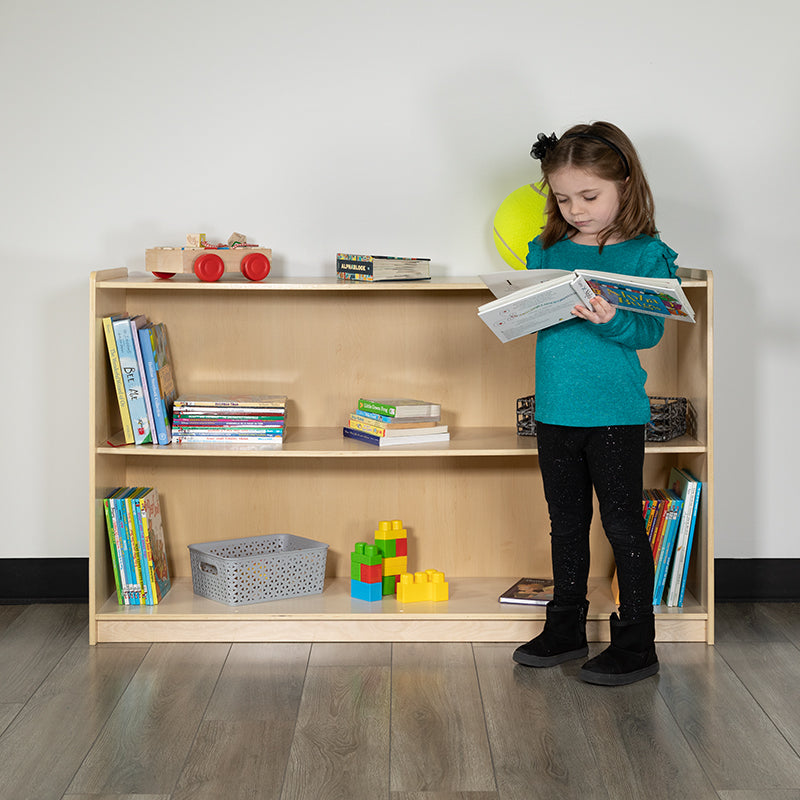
603 311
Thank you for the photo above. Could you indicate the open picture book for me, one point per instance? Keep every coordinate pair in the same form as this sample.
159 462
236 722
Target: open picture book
530 300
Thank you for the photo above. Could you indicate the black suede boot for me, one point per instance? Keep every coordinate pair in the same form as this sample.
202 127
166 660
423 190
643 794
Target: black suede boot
630 657
563 638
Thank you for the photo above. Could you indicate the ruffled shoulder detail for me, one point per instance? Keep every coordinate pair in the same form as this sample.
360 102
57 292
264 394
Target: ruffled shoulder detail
534 259
659 256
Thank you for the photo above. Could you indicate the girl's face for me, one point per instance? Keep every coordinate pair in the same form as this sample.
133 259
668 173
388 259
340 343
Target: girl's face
589 203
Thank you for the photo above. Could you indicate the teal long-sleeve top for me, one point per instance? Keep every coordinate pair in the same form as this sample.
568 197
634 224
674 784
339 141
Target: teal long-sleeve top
587 374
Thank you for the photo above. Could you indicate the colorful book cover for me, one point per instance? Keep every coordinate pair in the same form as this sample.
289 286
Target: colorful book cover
152 520
136 323
113 547
133 380
688 488
116 373
160 381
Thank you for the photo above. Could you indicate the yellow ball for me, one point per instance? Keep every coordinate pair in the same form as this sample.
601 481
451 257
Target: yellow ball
518 221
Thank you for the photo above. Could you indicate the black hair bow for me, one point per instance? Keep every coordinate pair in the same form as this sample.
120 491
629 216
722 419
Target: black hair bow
543 145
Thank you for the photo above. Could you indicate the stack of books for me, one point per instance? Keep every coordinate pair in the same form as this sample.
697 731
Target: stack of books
239 419
136 541
142 370
386 422
670 518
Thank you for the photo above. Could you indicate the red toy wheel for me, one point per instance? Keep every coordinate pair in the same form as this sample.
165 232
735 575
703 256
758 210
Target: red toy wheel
165 276
209 267
255 266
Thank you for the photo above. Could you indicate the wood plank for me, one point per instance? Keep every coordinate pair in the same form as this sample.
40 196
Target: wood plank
48 739
758 622
638 746
33 643
539 748
341 744
117 797
770 671
243 742
145 742
737 744
439 739
760 794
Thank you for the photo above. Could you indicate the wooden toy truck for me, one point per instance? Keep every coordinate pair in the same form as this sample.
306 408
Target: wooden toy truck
209 263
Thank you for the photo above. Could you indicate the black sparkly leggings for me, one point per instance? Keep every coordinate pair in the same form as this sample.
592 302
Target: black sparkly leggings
610 459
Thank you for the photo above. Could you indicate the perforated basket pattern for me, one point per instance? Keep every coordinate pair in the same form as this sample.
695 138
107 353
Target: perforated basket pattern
258 568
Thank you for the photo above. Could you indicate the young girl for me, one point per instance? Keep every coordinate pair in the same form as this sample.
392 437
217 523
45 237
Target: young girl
591 405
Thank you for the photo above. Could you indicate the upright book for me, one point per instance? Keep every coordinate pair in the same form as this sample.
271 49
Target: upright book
688 488
133 377
531 300
116 373
160 380
350 267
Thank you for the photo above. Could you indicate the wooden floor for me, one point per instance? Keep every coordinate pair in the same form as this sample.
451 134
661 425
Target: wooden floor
393 721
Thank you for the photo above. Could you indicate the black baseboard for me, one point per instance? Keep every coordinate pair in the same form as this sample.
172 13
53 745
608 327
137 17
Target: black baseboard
44 580
761 579
66 580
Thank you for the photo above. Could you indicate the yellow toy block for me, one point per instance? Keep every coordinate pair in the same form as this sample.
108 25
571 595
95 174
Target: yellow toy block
428 585
395 566
391 530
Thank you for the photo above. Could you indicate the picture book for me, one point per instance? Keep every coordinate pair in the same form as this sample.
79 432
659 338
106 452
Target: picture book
688 488
350 267
116 373
160 380
529 591
133 379
396 408
387 441
153 532
531 300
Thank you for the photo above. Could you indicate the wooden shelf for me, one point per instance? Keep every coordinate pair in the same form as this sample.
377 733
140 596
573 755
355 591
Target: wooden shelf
473 506
472 613
329 443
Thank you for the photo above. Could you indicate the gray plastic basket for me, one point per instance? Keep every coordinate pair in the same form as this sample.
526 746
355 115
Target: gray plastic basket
258 568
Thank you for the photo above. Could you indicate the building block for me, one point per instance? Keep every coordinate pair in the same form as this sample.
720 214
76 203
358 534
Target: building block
364 555
390 583
428 585
401 547
366 591
390 530
395 566
387 547
371 573
366 572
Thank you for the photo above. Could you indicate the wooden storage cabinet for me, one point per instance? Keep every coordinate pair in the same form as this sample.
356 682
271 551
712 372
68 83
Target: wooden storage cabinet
473 507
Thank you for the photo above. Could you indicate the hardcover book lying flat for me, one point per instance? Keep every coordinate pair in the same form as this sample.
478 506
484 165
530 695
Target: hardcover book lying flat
530 300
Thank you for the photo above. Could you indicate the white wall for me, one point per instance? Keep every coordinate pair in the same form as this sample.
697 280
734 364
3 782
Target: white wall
315 126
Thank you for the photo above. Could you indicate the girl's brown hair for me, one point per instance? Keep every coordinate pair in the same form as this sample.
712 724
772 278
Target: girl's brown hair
604 150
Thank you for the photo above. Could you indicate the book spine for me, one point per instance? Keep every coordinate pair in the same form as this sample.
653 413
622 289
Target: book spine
583 291
689 545
684 530
374 430
119 383
378 408
136 324
362 436
132 378
112 543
